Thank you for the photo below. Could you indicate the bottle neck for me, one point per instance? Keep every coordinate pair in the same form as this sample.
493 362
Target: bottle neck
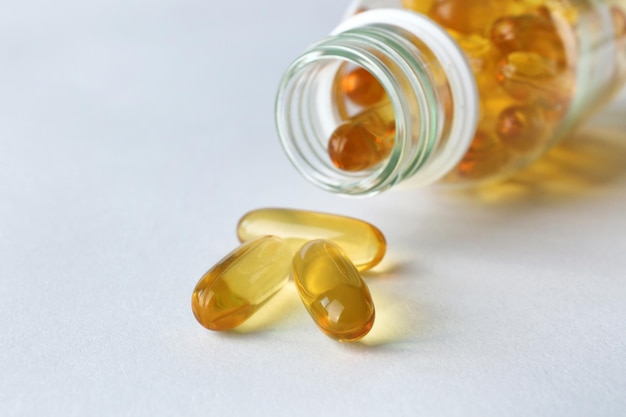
430 88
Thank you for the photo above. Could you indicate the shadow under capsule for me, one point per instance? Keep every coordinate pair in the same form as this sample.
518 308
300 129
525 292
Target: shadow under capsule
400 321
390 267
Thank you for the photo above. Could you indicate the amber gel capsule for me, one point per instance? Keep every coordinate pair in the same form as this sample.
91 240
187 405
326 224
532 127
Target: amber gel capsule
363 242
362 88
238 285
364 140
332 291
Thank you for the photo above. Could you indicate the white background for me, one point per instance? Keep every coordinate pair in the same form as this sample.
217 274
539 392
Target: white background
134 134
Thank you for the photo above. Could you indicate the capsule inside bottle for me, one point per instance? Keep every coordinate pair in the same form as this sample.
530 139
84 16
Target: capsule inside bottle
364 243
362 88
523 55
241 283
520 128
364 141
332 290
485 157
366 133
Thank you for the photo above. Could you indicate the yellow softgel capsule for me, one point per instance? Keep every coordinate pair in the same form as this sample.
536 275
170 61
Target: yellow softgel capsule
363 242
241 283
466 16
619 22
364 140
354 147
532 32
419 6
520 128
486 156
530 76
333 291
362 88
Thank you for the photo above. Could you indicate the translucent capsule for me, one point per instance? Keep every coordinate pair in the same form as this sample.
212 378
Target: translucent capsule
242 282
363 141
362 88
509 33
466 16
485 157
478 50
520 128
492 103
528 76
363 242
533 32
420 6
332 290
619 22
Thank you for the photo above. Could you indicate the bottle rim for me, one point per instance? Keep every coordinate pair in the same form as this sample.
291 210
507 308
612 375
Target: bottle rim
458 71
302 107
408 158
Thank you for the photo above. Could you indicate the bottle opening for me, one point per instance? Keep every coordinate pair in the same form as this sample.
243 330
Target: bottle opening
369 107
348 112
339 123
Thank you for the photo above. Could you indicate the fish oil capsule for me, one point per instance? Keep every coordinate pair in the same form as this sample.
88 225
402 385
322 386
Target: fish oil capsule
362 88
619 22
509 33
479 52
241 283
364 243
363 141
534 32
528 76
419 6
333 291
520 128
466 16
354 147
485 157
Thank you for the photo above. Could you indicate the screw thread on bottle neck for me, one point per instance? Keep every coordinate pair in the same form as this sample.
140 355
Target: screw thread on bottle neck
429 85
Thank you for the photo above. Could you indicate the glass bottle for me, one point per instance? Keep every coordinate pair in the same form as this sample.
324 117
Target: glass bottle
458 91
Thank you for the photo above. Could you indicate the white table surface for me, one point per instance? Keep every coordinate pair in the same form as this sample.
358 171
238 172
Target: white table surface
134 134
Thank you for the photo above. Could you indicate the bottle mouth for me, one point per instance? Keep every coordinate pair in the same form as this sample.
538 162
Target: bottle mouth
308 113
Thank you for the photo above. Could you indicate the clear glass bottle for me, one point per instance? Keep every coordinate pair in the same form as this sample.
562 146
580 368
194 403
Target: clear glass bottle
459 91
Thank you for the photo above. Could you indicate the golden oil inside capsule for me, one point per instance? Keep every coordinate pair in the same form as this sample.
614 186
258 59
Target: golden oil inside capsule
619 21
364 243
361 87
420 6
333 291
532 32
365 139
527 75
466 16
238 285
520 128
485 157
356 146
479 52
